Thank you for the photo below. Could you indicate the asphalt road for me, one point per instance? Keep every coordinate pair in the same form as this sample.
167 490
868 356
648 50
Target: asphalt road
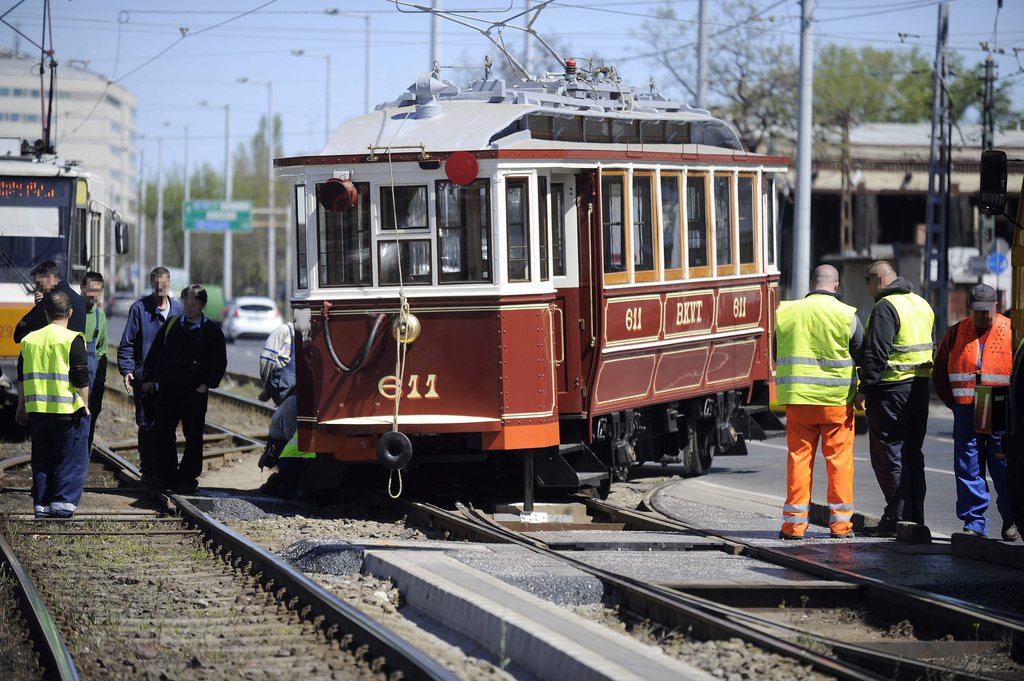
763 472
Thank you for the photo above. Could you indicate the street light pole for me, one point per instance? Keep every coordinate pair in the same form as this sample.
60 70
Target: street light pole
159 202
226 267
271 235
327 91
186 242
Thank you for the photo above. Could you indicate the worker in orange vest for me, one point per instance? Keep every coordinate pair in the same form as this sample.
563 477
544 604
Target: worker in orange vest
816 340
977 352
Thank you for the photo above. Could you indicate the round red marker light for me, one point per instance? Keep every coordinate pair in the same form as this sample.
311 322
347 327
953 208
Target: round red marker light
461 168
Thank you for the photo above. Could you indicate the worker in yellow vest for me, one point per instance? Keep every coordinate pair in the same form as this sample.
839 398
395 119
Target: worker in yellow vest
53 399
816 340
283 451
895 375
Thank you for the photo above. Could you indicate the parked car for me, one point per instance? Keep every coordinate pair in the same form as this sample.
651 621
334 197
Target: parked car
250 316
118 303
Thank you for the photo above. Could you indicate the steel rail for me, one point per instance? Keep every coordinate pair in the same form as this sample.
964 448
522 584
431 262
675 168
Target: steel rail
969 621
669 608
315 601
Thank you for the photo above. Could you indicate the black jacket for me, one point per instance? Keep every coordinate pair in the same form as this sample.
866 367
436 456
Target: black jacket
35 318
882 327
187 357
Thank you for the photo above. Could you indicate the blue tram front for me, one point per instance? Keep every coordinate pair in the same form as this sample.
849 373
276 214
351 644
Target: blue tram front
564 270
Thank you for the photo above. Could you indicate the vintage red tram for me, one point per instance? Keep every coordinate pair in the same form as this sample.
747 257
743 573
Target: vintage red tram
564 270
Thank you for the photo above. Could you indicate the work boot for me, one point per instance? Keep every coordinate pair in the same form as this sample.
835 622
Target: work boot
845 535
1010 531
790 537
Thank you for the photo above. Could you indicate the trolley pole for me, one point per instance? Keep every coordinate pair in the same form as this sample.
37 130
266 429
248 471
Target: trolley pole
802 224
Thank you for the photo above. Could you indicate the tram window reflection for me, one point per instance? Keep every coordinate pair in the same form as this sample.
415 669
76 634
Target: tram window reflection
723 220
463 228
344 243
643 227
414 255
613 217
745 218
517 210
558 227
410 207
697 224
542 212
671 244
302 267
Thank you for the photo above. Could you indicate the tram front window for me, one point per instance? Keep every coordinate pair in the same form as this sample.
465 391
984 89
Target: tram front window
407 210
344 243
414 257
34 213
463 231
517 212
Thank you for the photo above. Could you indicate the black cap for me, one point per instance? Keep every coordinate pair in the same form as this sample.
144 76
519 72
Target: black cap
983 297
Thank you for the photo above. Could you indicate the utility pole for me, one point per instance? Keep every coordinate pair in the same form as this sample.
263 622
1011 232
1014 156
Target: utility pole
435 36
227 274
702 55
528 40
988 130
802 223
936 213
140 255
186 236
159 202
845 194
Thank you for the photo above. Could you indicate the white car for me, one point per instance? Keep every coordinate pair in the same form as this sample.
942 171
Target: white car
250 316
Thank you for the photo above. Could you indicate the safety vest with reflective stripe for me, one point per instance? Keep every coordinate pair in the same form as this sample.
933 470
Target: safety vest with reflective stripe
292 451
911 352
813 364
46 367
996 359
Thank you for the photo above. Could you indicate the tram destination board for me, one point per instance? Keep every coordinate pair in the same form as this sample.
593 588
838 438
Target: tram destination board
217 216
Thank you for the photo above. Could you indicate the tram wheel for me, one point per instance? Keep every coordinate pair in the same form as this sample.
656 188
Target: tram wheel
700 452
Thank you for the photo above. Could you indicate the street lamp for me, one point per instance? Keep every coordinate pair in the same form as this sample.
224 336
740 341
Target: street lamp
271 236
226 268
334 11
186 235
327 91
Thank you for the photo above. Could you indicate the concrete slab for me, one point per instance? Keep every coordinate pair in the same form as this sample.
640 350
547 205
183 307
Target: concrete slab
545 639
690 568
599 540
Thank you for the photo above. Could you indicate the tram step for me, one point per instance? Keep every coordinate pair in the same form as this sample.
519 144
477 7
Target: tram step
573 465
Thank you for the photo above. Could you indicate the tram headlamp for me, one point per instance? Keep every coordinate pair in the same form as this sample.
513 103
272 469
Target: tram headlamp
408 331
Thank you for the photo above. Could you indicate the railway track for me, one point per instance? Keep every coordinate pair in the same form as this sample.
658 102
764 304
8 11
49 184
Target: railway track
148 586
811 621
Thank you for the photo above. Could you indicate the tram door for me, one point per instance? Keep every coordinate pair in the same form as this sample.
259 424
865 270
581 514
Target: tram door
588 299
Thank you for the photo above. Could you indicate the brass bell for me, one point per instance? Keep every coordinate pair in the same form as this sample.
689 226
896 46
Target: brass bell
406 332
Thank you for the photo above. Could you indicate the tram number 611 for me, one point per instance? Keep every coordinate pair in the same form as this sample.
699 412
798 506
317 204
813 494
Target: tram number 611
739 308
633 318
389 388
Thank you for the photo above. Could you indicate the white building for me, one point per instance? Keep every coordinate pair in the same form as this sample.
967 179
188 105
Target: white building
92 122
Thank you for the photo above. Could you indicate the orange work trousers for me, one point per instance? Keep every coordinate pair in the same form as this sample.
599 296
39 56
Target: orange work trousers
805 424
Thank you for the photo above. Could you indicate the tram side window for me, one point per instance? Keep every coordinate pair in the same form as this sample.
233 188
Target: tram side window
697 221
671 244
463 231
300 237
413 255
558 227
343 241
517 211
79 260
542 212
407 211
723 220
769 219
745 211
613 218
643 225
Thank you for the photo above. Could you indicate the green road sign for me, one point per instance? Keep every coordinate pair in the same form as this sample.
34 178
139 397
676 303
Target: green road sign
218 216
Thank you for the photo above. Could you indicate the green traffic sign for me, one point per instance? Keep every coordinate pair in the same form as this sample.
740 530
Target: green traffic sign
218 216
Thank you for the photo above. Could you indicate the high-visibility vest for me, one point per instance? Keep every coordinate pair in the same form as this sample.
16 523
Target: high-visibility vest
911 353
996 360
292 451
46 359
813 364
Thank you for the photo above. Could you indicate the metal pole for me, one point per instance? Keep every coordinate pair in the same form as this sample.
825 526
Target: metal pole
802 223
327 116
271 236
528 41
226 272
435 36
988 222
702 55
369 67
159 201
186 235
140 255
936 216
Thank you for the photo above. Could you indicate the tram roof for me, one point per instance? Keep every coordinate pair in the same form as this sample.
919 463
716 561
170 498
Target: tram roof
489 116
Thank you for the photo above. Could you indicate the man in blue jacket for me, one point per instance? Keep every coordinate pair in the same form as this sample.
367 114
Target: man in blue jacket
145 319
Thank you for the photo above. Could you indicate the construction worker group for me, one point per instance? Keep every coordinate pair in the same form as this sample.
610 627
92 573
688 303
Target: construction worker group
829 365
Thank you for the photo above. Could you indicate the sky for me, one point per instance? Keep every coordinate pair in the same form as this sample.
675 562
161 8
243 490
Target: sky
140 45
